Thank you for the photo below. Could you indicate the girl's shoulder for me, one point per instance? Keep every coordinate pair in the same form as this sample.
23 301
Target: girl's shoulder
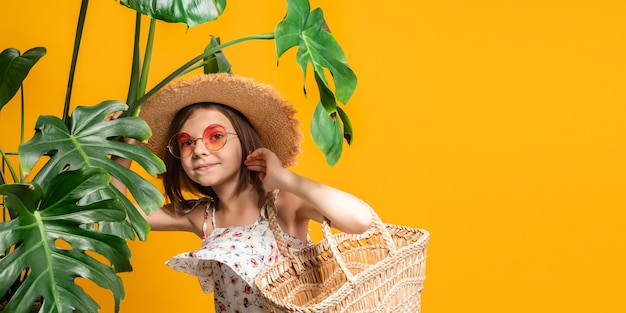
289 208
286 202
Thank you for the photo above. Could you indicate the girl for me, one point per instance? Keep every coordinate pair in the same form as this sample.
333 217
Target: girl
226 142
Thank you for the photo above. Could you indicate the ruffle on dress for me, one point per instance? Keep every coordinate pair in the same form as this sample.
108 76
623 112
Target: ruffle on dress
231 257
245 249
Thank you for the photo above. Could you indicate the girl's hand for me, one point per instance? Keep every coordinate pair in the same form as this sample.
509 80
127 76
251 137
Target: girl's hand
310 199
271 171
115 116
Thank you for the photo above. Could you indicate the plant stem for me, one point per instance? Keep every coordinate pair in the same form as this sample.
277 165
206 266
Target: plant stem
19 164
134 74
145 68
22 117
77 38
135 107
6 160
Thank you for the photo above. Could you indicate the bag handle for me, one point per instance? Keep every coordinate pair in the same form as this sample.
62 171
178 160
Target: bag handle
377 223
270 209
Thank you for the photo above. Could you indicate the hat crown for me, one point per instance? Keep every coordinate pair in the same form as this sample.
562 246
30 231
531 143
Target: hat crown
271 115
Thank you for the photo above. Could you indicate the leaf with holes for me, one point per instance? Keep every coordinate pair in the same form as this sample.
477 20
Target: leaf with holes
50 214
88 139
316 45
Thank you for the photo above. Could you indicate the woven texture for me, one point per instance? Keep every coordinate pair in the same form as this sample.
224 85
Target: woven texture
381 270
271 115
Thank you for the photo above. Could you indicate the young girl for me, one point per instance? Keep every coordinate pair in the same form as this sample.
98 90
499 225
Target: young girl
226 142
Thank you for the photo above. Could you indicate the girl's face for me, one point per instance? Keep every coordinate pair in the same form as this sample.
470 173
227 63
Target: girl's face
211 168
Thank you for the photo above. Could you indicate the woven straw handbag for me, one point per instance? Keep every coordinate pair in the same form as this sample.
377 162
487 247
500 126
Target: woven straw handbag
381 270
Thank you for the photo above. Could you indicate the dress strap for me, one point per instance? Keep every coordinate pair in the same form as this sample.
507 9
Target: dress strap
270 200
212 216
208 204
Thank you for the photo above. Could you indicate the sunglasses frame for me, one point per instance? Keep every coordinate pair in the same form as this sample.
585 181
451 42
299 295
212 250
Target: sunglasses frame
194 140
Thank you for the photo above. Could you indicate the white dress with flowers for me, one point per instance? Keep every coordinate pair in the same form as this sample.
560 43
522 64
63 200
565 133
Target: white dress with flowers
230 258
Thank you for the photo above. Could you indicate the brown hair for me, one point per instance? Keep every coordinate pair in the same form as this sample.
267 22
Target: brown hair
176 181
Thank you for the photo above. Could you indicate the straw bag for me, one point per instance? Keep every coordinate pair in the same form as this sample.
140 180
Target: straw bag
381 270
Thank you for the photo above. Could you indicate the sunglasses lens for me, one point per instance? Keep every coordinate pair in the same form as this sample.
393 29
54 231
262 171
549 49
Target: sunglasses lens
214 137
180 145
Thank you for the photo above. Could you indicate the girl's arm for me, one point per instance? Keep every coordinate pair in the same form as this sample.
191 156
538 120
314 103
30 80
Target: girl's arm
345 211
164 218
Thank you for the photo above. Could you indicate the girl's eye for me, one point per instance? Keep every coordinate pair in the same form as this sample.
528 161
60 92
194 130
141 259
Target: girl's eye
184 140
186 143
216 136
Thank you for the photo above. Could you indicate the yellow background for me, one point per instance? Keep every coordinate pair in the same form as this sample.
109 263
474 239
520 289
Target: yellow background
498 126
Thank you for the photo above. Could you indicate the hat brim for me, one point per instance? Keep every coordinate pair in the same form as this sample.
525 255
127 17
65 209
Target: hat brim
271 115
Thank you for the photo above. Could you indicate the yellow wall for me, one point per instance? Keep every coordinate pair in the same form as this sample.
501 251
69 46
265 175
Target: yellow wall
498 126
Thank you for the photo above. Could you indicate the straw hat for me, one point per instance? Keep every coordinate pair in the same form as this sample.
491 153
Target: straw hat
271 115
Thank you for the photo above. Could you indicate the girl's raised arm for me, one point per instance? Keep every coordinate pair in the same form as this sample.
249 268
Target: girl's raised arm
345 211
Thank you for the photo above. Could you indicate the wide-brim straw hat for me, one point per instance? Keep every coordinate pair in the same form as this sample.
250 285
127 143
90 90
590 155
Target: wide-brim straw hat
271 115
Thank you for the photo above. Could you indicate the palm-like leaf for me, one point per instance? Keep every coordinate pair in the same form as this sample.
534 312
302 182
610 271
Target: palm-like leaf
316 45
88 142
50 215
190 12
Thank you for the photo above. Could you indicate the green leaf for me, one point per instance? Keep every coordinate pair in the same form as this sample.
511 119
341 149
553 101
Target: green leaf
48 217
215 62
89 142
326 132
327 139
316 45
14 69
347 126
124 229
190 12
326 95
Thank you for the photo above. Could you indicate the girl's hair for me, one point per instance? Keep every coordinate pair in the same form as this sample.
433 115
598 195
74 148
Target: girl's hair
175 180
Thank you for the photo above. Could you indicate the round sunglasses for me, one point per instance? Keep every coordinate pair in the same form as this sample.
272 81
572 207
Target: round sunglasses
214 138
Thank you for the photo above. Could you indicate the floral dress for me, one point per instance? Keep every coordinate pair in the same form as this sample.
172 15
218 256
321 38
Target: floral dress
230 258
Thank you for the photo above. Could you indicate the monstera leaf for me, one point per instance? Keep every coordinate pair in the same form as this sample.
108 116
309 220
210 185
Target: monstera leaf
14 68
86 141
50 219
326 132
316 45
190 12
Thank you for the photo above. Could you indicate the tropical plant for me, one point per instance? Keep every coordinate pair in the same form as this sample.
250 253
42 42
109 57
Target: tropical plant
300 28
66 220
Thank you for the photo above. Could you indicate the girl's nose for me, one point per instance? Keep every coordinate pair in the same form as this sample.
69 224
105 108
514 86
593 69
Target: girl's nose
198 147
